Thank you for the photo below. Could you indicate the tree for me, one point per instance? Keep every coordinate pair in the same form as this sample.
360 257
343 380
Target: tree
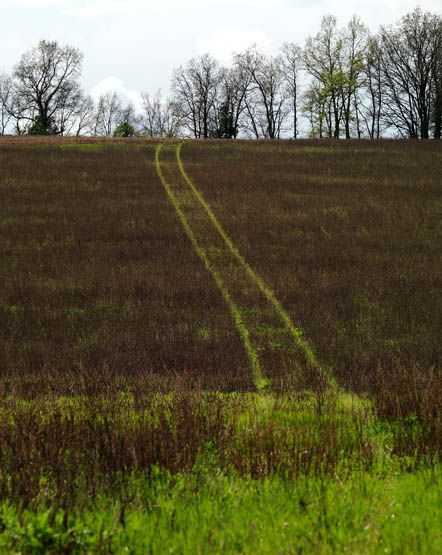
436 109
292 63
266 98
124 129
107 114
370 109
160 117
354 48
83 121
195 90
6 102
230 103
129 122
39 127
323 61
410 61
46 83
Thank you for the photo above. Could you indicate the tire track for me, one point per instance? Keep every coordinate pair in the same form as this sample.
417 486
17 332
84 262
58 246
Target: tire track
275 347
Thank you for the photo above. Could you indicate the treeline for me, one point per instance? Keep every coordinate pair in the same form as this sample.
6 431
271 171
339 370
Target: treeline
344 82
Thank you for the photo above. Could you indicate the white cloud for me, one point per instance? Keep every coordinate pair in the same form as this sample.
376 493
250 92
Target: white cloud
94 8
224 42
113 83
207 4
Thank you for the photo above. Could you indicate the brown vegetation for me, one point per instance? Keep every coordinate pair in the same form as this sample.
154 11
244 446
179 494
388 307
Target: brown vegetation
116 343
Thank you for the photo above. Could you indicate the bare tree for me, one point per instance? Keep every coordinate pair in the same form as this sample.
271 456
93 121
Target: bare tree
195 89
411 50
160 117
128 115
107 114
6 102
292 63
266 98
83 123
67 114
230 103
354 47
436 115
46 83
369 108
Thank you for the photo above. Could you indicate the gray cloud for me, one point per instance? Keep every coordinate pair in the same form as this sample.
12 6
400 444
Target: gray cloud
139 42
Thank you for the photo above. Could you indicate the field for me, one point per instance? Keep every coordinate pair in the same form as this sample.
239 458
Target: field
220 346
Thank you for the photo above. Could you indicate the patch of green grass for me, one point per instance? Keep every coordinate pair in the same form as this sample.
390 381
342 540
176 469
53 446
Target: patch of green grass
213 512
100 146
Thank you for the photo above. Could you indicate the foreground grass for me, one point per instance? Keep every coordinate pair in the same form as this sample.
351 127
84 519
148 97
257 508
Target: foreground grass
198 472
213 512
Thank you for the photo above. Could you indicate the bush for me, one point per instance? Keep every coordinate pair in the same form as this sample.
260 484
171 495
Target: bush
39 127
125 129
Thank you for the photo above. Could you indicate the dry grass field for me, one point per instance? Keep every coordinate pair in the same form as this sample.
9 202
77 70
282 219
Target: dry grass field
232 319
348 235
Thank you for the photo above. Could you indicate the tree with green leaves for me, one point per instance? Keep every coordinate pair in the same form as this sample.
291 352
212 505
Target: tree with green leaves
323 58
124 129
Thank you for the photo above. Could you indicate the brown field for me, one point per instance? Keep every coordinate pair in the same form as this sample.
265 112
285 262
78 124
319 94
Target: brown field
347 234
96 268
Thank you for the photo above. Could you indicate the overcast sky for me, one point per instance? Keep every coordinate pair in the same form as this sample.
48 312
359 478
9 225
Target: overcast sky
133 45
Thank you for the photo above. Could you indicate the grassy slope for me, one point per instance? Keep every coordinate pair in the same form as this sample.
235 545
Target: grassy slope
95 269
101 288
348 235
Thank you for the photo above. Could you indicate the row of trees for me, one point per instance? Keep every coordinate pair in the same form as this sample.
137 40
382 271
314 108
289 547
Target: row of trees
44 97
345 82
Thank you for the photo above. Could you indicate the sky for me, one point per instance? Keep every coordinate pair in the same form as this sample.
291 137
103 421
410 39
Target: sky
133 45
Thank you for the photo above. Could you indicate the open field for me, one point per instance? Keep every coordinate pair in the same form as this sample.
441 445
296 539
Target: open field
190 336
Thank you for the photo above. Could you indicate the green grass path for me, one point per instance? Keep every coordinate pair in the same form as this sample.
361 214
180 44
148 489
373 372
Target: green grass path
276 348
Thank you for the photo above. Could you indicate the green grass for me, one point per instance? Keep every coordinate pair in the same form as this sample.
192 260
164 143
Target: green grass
200 472
211 512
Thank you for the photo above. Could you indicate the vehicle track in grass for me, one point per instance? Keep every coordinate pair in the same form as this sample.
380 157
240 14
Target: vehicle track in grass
277 351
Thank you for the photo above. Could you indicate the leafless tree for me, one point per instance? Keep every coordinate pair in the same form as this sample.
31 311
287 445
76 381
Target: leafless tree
84 117
354 47
369 108
6 102
411 50
266 98
230 103
160 117
107 113
436 115
292 63
46 83
128 114
195 88
67 114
